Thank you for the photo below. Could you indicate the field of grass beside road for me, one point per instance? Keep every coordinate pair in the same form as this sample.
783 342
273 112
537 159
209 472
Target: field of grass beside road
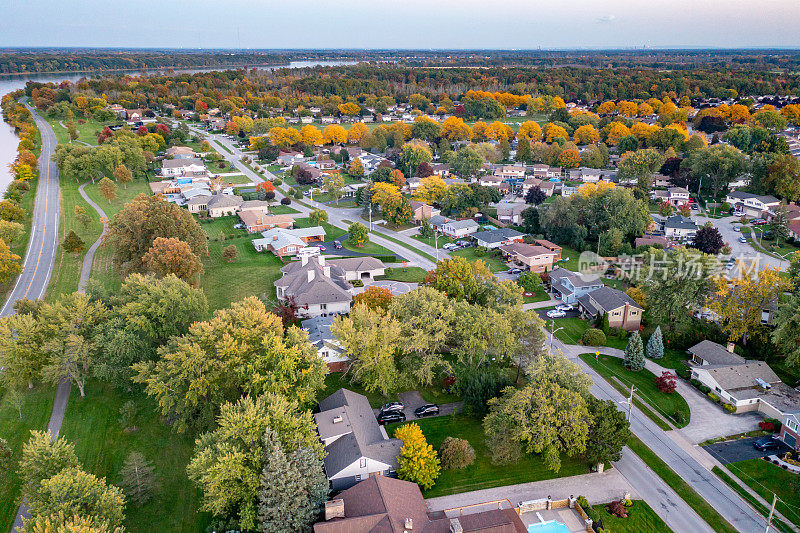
641 519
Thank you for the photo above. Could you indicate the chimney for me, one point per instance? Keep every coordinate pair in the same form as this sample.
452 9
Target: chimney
321 260
337 419
326 271
311 275
731 346
334 509
455 526
304 260
274 237
409 525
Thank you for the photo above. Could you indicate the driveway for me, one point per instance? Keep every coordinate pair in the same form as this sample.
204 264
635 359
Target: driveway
738 249
543 313
413 399
741 450
396 287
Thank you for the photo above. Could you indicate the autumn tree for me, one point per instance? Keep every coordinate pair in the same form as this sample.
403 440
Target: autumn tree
431 189
357 132
43 457
11 211
123 175
418 461
132 230
9 263
358 234
334 134
173 256
641 165
356 168
10 231
739 302
230 253
530 131
370 338
569 159
708 239
374 297
311 135
412 155
333 184
243 349
586 134
73 244
107 189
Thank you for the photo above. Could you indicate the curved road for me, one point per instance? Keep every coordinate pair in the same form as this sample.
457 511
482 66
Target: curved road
41 253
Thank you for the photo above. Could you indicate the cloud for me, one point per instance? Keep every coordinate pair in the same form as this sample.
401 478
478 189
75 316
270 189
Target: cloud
605 19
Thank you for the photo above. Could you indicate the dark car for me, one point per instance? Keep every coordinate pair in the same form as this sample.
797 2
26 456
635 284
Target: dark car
429 409
514 270
337 245
766 443
392 406
391 417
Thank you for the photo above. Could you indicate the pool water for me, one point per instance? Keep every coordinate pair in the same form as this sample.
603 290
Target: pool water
548 527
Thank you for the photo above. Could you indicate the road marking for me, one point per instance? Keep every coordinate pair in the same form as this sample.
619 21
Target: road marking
46 213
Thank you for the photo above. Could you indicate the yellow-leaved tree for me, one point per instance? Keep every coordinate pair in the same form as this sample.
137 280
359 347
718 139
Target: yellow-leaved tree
418 461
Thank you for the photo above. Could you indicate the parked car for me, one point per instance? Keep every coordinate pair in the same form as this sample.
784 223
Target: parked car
694 207
392 406
429 409
514 270
742 239
565 307
736 229
238 226
555 313
449 246
337 245
766 443
391 417
463 244
321 248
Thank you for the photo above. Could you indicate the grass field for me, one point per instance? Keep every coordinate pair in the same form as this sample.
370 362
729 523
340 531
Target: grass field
749 498
495 264
681 487
641 519
767 479
102 445
36 408
644 381
483 474
369 248
408 274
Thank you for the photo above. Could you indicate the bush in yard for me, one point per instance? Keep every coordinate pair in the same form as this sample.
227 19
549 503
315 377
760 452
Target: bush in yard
666 383
685 373
593 337
480 251
714 397
730 408
530 281
230 253
618 509
418 461
477 388
286 200
766 426
655 345
679 417
634 353
776 424
456 453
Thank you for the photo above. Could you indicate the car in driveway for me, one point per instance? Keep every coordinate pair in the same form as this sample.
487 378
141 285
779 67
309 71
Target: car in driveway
556 313
565 307
337 245
449 246
736 229
391 417
742 239
463 244
769 442
514 270
321 248
392 406
428 409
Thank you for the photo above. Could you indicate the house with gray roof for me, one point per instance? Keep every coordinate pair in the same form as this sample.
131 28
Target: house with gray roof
217 205
753 205
287 241
707 352
622 311
328 347
496 238
568 286
679 227
458 229
357 446
319 288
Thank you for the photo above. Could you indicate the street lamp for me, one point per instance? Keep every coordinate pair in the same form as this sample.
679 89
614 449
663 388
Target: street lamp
553 330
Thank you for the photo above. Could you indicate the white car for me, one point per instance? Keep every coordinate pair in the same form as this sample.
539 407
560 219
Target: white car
449 246
555 313
564 307
736 229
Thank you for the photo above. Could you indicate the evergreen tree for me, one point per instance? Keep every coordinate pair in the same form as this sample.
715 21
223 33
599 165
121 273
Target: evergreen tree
138 478
655 345
425 229
634 353
523 151
311 500
72 243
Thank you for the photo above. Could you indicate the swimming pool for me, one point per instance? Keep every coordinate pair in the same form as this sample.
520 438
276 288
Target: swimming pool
548 527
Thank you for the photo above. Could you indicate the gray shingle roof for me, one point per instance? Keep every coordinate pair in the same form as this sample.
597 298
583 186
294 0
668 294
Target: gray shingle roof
732 377
225 200
575 278
715 354
609 298
679 222
497 235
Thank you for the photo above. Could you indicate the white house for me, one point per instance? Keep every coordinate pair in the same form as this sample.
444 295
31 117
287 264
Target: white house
329 349
458 229
753 205
679 227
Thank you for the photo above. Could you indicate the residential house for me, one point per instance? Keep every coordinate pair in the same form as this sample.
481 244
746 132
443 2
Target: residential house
370 162
706 353
660 180
364 267
651 240
622 311
790 429
529 256
180 152
680 227
289 158
529 183
511 212
794 229
678 196
491 181
544 172
553 247
438 221
357 446
496 238
255 220
569 286
421 210
510 172
117 110
441 169
458 229
317 287
753 205
585 174
217 205
287 242
387 505
328 347
191 166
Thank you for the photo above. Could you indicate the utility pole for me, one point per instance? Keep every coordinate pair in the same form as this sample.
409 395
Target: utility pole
370 214
436 244
771 511
630 402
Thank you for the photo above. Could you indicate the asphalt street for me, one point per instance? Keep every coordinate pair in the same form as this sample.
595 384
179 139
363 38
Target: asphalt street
41 253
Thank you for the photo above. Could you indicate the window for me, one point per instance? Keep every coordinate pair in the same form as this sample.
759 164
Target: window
323 306
363 463
717 389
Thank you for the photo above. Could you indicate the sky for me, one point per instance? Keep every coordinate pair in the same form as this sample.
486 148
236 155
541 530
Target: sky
415 24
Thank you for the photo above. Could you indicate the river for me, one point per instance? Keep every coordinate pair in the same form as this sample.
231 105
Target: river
9 83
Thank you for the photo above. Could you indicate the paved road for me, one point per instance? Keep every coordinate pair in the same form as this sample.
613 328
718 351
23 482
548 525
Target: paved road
41 253
738 249
741 450
86 268
708 485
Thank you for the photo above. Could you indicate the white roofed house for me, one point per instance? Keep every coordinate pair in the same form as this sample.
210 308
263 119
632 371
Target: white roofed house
180 167
753 205
458 229
286 242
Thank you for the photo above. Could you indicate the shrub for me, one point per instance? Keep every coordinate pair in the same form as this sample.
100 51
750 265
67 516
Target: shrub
593 337
286 200
666 382
530 281
679 417
456 453
776 424
766 426
627 502
388 271
714 397
685 373
729 407
480 251
618 509
277 182
357 283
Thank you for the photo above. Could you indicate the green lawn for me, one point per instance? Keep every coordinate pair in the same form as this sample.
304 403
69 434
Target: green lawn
641 519
404 245
430 241
749 498
337 380
407 274
573 329
369 248
571 257
768 479
87 132
673 359
102 445
644 381
540 295
36 408
281 209
681 487
236 179
495 264
483 474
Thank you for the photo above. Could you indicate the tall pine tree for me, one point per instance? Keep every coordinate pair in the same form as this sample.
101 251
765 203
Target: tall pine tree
138 478
655 345
634 353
